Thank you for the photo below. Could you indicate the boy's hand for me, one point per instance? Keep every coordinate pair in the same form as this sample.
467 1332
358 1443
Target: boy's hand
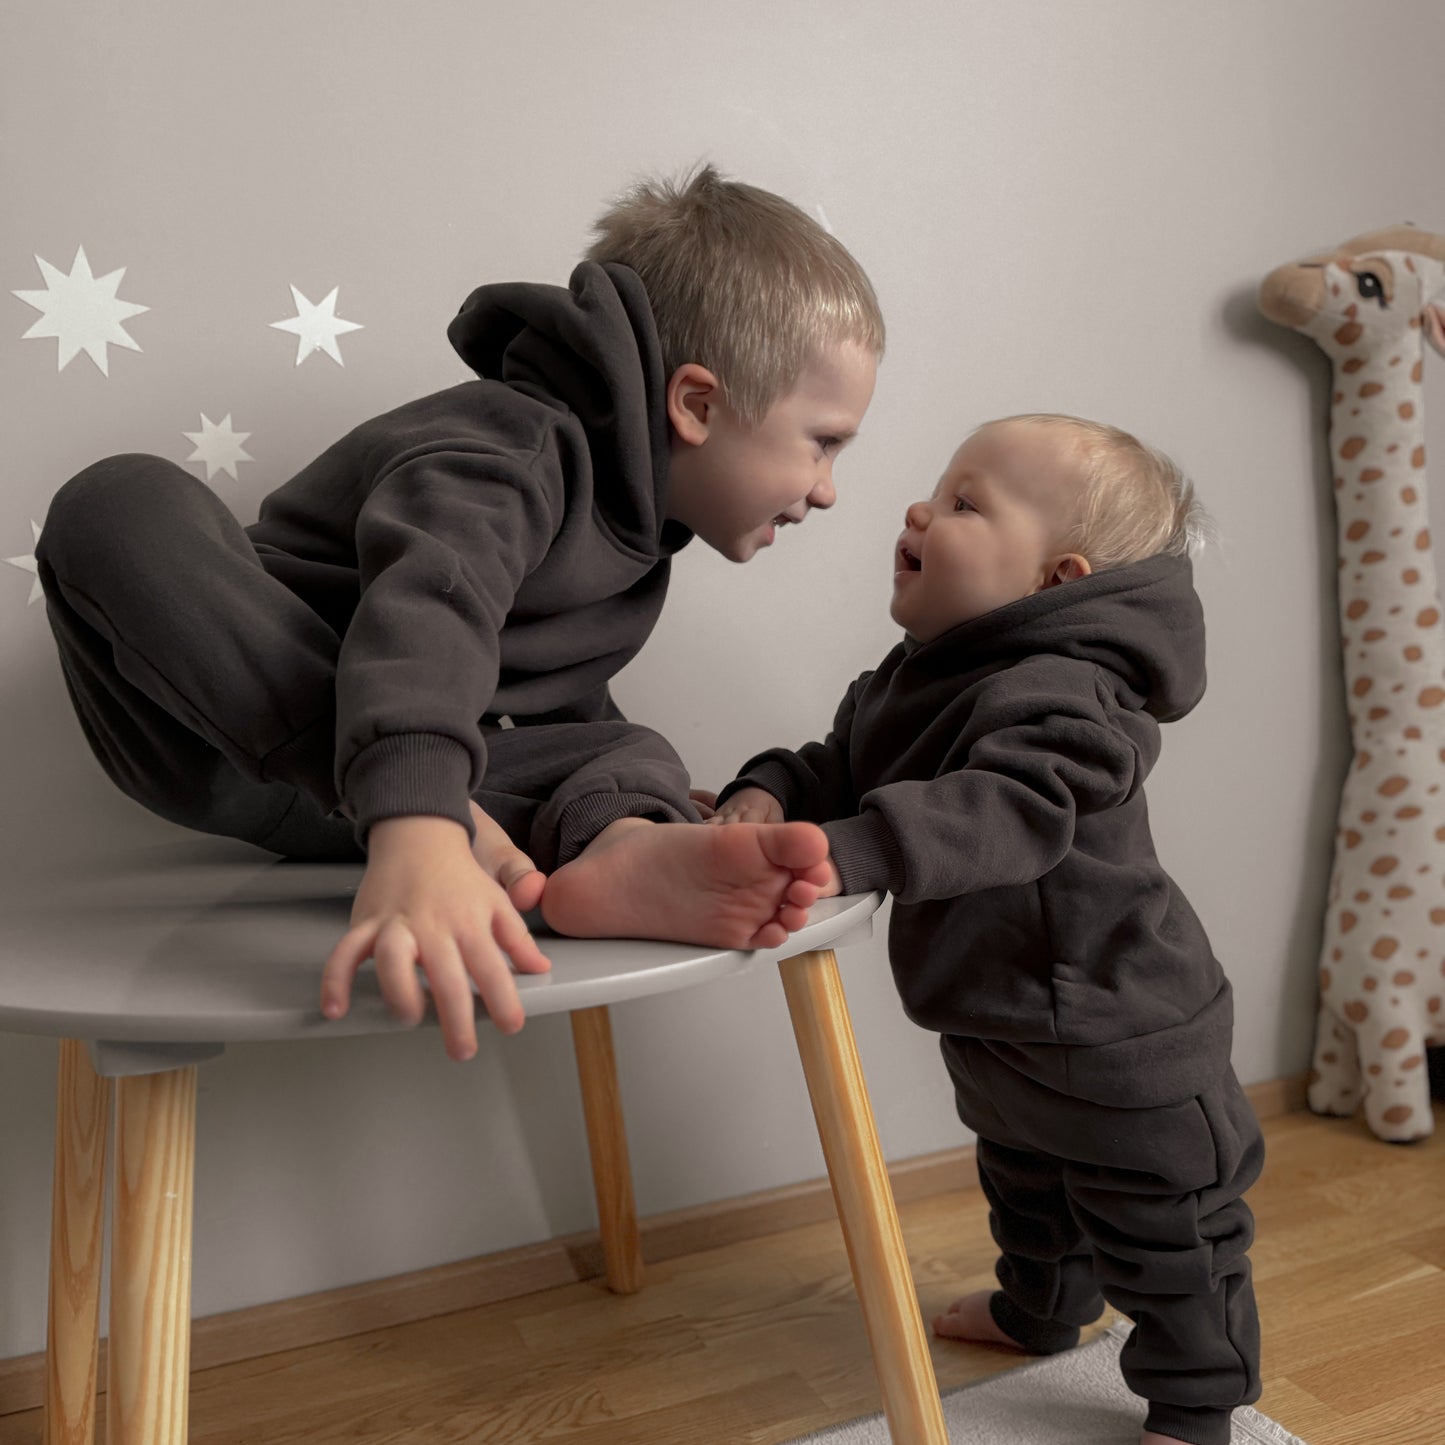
749 805
425 902
704 801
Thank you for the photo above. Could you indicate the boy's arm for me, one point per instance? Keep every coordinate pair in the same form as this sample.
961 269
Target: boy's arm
1030 766
443 543
814 783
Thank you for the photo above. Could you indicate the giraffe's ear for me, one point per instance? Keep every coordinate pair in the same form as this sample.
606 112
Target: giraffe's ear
1433 320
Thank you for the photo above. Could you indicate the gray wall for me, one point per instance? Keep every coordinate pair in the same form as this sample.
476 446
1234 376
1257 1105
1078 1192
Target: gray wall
1063 205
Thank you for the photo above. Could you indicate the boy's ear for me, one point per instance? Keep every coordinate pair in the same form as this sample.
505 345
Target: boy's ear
692 394
1067 569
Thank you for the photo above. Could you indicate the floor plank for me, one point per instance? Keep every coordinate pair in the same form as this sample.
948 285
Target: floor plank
758 1342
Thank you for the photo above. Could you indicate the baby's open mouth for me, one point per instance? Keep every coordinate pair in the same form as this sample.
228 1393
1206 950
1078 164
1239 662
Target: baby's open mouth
907 562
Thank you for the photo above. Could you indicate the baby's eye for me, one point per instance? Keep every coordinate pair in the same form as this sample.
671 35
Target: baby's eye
962 504
829 444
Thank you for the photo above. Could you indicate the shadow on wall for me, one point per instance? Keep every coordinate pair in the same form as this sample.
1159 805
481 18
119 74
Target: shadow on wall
1244 322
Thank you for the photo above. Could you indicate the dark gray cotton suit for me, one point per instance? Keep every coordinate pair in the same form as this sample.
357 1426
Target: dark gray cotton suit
496 550
992 780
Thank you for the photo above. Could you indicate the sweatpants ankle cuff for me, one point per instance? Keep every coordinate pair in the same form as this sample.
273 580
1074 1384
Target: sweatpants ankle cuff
585 817
1038 1337
1198 1427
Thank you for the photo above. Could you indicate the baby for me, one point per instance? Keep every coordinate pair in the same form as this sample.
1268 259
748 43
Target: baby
989 774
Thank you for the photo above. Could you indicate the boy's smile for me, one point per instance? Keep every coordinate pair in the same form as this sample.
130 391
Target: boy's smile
992 531
735 485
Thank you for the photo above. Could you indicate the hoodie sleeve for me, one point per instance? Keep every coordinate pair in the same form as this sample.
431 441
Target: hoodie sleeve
816 782
1033 757
444 541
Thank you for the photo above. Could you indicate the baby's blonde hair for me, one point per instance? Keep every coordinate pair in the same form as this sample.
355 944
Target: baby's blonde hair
741 282
1136 501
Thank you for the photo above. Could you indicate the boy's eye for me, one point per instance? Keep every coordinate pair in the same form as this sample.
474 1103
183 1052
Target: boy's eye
962 504
828 444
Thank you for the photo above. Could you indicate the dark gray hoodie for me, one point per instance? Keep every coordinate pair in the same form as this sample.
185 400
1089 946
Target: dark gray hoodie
496 548
992 780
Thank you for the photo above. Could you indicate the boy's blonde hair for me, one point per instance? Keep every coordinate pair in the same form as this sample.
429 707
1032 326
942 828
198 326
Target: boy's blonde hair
1136 502
741 282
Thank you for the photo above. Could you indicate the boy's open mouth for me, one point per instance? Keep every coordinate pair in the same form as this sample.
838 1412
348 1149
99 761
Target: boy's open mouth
907 562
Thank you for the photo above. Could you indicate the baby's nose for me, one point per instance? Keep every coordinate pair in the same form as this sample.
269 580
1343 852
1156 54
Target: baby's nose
917 516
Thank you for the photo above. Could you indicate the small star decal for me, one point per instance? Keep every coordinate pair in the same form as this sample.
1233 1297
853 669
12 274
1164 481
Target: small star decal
318 326
28 564
81 311
218 446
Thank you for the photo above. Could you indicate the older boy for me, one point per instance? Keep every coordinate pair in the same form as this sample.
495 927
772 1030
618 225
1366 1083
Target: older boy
989 774
409 652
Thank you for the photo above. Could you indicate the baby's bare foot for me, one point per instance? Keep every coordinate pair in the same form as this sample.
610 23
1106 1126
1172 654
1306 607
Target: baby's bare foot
969 1318
1153 1437
745 886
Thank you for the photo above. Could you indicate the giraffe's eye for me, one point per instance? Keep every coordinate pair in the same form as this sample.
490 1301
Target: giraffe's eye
1370 287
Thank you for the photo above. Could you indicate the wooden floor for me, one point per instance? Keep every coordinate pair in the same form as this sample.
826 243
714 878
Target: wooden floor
762 1341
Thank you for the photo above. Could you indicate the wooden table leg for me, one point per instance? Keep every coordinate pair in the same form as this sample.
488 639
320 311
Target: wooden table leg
864 1198
77 1228
607 1141
150 1273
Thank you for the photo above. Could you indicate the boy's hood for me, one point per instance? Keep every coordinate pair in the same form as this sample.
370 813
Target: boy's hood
592 348
1143 622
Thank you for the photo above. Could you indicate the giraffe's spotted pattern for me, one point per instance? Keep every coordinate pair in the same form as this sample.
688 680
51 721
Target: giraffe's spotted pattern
1382 979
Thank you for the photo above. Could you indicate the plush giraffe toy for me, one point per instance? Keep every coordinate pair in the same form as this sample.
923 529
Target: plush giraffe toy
1367 304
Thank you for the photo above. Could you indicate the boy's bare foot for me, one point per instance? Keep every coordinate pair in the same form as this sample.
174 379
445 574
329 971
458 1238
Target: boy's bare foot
1153 1437
747 886
969 1318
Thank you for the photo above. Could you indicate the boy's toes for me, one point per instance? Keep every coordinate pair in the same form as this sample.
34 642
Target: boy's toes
771 935
792 918
795 846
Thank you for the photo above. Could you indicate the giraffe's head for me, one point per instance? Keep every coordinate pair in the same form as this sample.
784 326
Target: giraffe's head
1365 294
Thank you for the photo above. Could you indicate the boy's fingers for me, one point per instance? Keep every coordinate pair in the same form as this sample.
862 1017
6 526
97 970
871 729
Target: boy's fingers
341 967
515 939
451 991
396 959
493 978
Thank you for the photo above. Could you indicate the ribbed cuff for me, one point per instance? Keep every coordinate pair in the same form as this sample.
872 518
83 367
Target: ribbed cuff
865 853
585 817
409 773
1198 1427
771 777
1038 1337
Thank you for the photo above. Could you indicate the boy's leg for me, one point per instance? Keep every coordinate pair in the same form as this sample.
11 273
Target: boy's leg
594 792
203 686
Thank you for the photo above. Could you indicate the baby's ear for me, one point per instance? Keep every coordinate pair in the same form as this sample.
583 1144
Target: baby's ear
1068 569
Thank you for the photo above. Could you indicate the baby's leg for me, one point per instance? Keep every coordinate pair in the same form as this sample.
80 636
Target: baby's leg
747 886
1046 1273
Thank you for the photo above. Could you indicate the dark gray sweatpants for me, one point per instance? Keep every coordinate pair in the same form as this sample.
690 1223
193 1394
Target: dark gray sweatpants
1139 1207
205 685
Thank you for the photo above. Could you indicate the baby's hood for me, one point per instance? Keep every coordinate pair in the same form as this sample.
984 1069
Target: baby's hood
1143 623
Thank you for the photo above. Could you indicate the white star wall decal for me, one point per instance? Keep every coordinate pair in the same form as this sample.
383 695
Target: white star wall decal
218 446
28 564
81 311
317 325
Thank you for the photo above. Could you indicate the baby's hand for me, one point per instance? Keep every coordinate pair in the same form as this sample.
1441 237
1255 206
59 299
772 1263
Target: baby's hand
749 805
425 903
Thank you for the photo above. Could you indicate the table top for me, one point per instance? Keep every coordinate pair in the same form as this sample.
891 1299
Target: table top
209 941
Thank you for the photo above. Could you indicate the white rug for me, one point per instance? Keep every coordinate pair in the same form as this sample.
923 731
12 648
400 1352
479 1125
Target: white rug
1076 1398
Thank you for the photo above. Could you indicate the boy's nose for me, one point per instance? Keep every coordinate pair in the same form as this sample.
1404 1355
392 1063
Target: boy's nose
824 494
917 516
